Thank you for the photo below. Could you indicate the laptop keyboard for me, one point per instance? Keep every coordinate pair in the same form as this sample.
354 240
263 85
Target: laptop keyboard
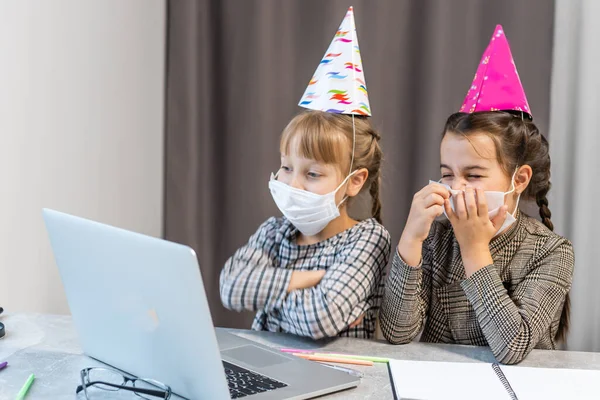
243 382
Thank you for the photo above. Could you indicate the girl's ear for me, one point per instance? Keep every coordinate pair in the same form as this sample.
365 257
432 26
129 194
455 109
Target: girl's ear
356 182
522 178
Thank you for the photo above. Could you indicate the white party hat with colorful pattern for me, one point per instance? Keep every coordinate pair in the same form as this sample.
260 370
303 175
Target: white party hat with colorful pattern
338 85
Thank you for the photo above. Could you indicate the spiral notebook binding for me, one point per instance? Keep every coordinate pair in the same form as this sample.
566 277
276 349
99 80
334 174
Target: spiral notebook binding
504 381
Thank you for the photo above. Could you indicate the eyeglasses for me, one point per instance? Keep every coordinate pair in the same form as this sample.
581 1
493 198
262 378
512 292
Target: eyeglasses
111 380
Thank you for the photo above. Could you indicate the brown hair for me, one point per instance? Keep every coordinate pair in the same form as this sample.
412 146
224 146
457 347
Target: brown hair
327 137
518 142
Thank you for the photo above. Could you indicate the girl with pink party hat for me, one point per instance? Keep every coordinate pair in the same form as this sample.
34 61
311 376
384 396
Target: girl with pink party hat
486 274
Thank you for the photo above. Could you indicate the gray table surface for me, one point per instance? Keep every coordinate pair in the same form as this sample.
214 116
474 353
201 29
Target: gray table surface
47 345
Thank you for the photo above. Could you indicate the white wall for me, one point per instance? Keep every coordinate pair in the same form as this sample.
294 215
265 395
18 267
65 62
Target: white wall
81 129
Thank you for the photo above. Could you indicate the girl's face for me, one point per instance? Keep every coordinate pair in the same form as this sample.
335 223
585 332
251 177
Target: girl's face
310 175
472 162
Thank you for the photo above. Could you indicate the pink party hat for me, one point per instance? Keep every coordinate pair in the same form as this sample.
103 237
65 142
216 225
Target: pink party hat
338 85
496 85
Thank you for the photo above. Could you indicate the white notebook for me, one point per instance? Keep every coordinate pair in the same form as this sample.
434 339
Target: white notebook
433 380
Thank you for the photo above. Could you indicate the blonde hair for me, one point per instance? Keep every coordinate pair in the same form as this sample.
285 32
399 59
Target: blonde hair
327 138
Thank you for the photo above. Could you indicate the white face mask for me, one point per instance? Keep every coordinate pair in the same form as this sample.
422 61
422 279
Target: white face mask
494 200
308 212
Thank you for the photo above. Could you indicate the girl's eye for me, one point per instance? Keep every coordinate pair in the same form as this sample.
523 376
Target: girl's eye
475 176
446 176
285 168
313 175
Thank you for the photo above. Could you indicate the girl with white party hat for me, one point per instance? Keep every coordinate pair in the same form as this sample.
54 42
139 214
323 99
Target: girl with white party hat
316 271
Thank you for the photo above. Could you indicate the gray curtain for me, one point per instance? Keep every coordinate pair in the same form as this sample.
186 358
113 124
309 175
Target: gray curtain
574 145
237 69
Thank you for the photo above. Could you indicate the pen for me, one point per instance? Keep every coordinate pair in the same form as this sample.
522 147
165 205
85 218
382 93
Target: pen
25 388
297 351
354 357
350 371
3 365
337 355
312 357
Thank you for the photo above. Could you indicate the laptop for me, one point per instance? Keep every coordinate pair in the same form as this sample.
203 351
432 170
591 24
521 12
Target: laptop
138 304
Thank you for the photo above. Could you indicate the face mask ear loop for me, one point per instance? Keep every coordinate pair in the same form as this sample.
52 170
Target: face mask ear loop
342 202
512 182
517 205
339 187
512 190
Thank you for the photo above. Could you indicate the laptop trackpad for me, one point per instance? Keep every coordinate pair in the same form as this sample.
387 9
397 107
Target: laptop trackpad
255 356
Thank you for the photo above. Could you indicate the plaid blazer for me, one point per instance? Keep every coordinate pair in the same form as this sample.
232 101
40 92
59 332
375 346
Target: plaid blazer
257 276
512 305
